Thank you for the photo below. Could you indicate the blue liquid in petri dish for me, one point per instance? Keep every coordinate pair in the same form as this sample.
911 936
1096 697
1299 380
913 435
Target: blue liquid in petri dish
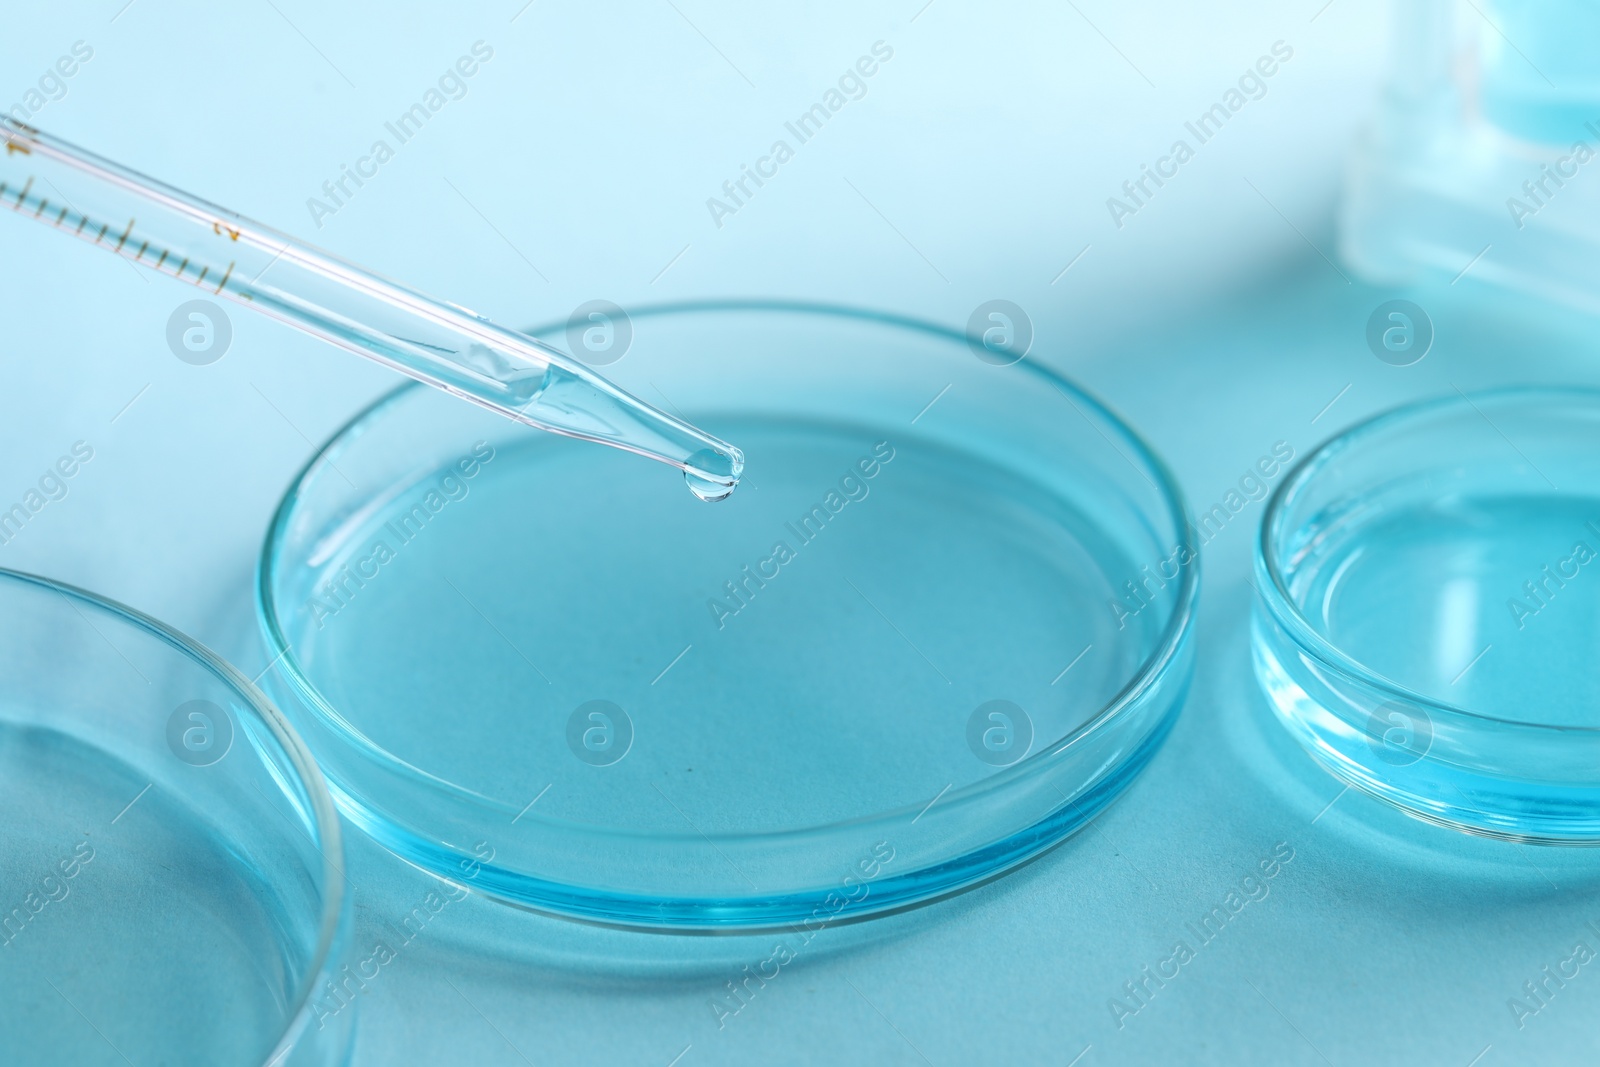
904 656
1429 611
781 664
130 932
1488 602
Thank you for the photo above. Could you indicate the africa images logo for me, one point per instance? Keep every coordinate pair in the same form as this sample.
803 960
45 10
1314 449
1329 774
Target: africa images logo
1399 734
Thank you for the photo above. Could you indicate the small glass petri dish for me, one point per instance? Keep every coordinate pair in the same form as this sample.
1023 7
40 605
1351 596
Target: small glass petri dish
170 888
1429 611
941 624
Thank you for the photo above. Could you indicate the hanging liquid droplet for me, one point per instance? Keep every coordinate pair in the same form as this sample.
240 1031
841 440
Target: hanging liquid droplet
706 489
712 475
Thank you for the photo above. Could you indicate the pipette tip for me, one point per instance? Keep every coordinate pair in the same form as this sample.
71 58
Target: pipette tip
712 474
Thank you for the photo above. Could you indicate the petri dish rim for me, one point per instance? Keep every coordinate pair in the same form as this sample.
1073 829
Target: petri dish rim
1275 518
1167 647
335 909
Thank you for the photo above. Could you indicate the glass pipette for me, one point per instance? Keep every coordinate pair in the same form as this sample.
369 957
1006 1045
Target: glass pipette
225 254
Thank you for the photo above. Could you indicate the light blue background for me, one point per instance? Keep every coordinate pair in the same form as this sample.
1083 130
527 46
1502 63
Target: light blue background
981 159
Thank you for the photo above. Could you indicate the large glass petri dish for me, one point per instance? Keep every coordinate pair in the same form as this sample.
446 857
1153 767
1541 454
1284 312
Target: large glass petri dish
1429 611
943 622
170 888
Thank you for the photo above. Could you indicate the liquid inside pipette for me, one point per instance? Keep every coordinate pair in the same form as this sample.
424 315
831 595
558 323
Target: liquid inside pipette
168 231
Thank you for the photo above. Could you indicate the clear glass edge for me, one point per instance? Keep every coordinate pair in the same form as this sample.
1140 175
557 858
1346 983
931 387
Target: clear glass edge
336 906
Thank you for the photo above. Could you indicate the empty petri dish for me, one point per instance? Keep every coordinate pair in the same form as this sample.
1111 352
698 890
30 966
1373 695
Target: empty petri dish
170 890
941 623
1429 610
